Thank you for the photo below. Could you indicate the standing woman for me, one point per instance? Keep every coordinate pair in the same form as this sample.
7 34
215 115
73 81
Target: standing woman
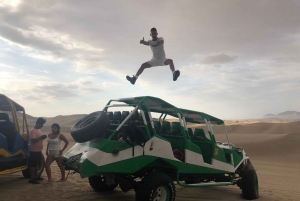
54 152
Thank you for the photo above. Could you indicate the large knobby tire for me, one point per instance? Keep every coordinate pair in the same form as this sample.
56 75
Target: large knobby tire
156 186
90 127
41 167
249 184
99 184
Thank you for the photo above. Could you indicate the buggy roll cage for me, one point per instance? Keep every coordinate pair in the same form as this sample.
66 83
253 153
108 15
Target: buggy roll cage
152 104
8 105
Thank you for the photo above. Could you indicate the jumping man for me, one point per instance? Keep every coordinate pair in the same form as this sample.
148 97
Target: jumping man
158 59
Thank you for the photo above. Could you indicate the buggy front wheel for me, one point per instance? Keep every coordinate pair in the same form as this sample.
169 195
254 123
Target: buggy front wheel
249 184
100 184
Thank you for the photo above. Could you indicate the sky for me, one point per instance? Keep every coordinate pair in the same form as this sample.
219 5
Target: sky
238 59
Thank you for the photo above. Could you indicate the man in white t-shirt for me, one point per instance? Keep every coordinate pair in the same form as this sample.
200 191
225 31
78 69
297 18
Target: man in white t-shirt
158 59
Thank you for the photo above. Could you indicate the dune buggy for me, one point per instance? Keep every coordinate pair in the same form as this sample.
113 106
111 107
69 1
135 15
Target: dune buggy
151 146
14 139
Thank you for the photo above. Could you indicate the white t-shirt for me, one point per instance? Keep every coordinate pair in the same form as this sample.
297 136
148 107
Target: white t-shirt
158 50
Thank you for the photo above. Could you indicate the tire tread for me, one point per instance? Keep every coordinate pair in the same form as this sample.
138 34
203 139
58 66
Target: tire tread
93 130
249 181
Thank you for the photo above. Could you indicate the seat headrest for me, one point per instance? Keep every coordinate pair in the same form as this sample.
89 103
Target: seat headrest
110 115
4 116
176 126
135 116
200 133
190 132
117 115
165 126
157 123
124 115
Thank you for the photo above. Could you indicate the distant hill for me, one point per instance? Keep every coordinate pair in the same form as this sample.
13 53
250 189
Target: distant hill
65 121
270 114
287 115
290 113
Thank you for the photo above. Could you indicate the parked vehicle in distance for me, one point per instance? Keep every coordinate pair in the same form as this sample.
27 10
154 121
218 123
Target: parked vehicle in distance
14 139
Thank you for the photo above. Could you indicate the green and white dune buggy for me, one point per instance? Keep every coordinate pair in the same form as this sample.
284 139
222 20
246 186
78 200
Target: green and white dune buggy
134 150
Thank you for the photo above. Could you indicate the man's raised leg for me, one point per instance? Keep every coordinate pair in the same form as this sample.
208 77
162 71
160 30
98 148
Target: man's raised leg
172 67
140 71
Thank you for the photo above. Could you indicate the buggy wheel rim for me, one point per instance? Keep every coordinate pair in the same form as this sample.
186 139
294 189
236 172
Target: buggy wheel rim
162 193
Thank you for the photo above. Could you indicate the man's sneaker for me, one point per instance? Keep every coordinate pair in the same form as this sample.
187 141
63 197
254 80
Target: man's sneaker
33 181
131 79
176 75
39 179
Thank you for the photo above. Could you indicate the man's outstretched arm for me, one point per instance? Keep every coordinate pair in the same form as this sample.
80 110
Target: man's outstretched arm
159 42
144 42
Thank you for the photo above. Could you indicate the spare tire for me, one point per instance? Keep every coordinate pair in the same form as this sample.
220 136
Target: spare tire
90 127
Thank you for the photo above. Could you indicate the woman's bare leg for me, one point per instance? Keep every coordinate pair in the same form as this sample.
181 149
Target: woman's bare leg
61 167
49 160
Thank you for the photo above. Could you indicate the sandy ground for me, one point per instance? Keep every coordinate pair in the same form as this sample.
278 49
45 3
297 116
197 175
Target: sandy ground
275 156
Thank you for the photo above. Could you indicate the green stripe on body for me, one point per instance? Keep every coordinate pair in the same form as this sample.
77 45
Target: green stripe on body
133 165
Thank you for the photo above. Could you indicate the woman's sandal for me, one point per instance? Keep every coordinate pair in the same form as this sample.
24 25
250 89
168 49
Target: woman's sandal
48 183
61 180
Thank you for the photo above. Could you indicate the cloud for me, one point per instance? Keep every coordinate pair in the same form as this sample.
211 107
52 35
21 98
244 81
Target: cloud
89 48
54 90
50 92
57 91
92 89
218 59
25 38
5 67
55 47
7 73
83 81
9 3
109 85
47 44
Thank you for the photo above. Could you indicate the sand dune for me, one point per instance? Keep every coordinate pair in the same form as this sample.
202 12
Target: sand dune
266 128
255 128
273 148
66 121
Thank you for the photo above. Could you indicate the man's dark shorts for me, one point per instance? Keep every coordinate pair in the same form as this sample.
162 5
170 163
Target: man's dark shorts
35 158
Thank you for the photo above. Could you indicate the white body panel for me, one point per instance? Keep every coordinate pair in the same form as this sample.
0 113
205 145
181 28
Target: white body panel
155 147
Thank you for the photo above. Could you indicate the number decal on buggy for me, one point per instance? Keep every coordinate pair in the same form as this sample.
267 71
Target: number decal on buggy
216 151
